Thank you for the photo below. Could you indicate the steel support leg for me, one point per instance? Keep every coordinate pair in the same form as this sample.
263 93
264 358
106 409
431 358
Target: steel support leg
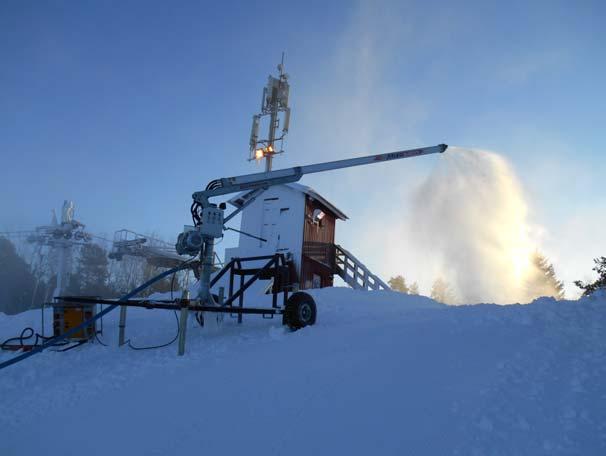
182 329
122 326
183 321
206 263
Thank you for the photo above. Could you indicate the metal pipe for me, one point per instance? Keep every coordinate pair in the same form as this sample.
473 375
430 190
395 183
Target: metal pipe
122 327
282 176
175 306
75 329
206 266
183 321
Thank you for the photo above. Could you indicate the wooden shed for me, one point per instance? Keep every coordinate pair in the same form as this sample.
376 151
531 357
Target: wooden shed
292 219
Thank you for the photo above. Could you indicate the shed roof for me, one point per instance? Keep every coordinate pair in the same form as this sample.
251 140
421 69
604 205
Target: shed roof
315 195
237 201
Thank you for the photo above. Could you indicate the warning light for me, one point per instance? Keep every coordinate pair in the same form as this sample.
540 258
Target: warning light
264 151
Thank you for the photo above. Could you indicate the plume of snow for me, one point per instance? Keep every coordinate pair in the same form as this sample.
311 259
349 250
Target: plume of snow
471 216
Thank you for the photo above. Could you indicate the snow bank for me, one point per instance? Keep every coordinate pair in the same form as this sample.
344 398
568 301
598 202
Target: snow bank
380 373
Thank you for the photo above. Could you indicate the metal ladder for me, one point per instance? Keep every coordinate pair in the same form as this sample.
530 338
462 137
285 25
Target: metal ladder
354 273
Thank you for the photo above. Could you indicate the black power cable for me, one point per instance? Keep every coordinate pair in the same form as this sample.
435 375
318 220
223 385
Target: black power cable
214 184
99 340
77 344
151 347
200 318
39 337
195 210
6 345
52 341
159 346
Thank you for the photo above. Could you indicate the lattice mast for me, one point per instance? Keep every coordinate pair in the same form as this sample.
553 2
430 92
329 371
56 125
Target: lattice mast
274 104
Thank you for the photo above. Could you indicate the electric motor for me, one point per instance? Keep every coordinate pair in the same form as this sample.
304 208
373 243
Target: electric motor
189 242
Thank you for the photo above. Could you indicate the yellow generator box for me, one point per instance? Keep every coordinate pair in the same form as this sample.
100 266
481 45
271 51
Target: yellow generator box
69 315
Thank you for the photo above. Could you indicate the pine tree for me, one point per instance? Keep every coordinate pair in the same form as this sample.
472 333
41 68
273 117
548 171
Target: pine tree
441 292
126 274
16 280
398 283
92 275
161 286
543 281
414 289
600 268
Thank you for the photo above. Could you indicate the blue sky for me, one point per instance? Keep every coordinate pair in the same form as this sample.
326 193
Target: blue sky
129 107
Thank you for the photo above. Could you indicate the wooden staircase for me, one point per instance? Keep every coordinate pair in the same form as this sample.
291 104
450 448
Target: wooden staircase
355 273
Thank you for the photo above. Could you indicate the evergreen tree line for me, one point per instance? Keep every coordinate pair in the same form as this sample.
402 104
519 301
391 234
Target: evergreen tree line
26 286
441 291
541 282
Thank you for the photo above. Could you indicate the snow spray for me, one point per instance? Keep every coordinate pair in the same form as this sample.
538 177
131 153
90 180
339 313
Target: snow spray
471 215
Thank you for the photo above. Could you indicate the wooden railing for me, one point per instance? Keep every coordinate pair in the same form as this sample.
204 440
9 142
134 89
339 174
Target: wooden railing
323 252
355 273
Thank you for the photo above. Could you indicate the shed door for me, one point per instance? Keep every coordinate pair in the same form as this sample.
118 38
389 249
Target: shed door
269 227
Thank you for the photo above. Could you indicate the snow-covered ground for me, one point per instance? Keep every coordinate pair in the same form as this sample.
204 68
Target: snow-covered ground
380 373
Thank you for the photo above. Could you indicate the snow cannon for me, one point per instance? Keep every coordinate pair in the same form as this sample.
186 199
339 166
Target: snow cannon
209 221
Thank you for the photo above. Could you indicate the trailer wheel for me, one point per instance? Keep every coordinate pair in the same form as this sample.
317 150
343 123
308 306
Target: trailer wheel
300 311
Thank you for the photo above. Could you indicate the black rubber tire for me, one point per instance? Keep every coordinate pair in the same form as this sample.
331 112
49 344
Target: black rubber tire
300 311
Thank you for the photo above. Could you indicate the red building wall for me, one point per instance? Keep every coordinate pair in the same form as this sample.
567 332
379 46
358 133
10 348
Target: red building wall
317 263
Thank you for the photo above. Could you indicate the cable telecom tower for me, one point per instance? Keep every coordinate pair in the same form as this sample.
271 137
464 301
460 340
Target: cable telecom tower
273 103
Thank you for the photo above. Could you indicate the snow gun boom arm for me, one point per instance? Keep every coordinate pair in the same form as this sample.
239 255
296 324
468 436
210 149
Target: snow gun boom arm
265 180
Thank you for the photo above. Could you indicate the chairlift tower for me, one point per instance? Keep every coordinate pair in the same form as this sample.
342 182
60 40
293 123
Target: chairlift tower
273 103
61 237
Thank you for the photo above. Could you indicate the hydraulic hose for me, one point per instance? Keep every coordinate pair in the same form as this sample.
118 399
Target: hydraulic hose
53 341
